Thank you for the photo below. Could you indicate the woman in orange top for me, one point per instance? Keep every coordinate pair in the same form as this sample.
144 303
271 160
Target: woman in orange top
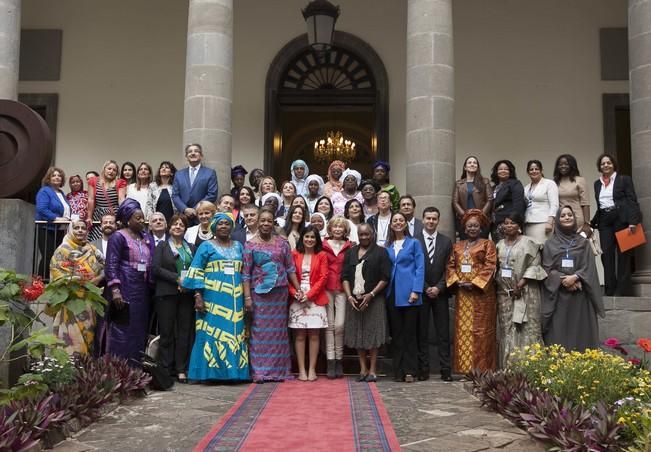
471 270
307 313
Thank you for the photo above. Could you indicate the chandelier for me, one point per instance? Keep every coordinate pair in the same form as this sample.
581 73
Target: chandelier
334 147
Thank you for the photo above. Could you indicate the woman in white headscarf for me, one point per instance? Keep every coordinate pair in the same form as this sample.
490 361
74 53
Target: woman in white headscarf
299 171
350 180
314 184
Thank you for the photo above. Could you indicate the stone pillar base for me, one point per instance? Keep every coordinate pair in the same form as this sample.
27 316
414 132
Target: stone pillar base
642 283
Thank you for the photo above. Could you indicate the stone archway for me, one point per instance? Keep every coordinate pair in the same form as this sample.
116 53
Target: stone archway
307 94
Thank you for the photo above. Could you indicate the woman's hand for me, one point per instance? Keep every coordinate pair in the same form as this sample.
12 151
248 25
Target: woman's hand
549 226
353 302
413 298
365 300
248 304
118 301
632 228
199 305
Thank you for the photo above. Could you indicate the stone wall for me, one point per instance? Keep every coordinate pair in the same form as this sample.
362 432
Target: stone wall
627 319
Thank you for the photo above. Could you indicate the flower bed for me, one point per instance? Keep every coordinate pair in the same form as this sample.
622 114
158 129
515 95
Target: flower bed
573 401
56 396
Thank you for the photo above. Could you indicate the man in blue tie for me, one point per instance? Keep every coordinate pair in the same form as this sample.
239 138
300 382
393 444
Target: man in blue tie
193 184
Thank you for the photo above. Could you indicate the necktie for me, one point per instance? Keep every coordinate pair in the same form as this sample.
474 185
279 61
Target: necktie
430 249
193 175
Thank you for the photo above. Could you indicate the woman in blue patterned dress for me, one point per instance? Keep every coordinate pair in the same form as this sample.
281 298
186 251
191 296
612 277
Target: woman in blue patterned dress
268 269
220 351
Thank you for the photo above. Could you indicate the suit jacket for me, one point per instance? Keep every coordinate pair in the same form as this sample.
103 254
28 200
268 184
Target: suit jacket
204 188
435 271
407 272
509 198
239 234
164 270
628 209
418 227
482 199
318 277
48 205
98 244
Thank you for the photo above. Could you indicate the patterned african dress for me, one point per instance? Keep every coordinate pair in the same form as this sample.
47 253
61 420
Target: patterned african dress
476 308
266 266
220 351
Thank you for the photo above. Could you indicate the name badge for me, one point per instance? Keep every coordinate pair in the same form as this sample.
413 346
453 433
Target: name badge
142 267
466 268
74 217
567 263
506 273
184 273
229 270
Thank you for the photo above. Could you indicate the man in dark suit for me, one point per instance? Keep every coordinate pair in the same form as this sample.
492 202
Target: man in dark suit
437 249
193 184
408 208
617 209
158 227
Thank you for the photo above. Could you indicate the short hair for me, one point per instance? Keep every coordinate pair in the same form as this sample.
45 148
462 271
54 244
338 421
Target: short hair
516 217
571 162
384 191
207 205
93 172
601 157
48 175
285 182
225 195
185 150
318 246
508 163
271 179
108 214
349 203
431 209
249 207
171 166
265 209
409 197
339 220
176 217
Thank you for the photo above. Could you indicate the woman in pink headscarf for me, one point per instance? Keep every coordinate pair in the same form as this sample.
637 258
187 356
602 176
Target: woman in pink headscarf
334 185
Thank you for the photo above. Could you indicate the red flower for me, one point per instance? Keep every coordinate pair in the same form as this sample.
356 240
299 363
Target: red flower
611 342
634 361
644 344
34 290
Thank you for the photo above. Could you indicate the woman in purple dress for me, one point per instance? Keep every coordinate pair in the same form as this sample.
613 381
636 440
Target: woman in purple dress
268 269
128 274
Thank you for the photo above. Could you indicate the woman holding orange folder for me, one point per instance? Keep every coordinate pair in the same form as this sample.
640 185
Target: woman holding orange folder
617 209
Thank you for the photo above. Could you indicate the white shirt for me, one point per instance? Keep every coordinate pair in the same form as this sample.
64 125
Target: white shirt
382 229
606 194
427 236
411 224
397 245
66 206
542 201
104 245
158 240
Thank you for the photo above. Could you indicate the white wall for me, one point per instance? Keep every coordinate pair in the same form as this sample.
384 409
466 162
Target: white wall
527 76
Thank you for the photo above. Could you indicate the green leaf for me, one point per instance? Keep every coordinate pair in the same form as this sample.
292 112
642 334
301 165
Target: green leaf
60 355
56 296
76 305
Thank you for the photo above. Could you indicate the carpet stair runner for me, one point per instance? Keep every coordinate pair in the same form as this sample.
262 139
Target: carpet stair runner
325 415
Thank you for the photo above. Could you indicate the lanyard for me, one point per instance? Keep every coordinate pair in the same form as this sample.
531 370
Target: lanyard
567 250
140 255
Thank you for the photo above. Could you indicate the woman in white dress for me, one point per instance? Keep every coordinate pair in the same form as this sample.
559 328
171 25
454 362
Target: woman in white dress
542 203
307 313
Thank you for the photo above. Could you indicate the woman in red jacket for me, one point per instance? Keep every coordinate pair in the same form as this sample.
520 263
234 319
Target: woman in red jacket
335 246
307 313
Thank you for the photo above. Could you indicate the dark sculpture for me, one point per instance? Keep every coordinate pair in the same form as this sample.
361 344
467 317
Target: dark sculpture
25 148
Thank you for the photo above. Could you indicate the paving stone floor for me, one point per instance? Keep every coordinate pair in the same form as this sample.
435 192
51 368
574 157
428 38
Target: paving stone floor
427 416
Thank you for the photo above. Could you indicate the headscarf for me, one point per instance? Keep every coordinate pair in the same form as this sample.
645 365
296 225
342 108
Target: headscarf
350 172
475 213
317 178
238 170
219 216
383 164
74 258
126 210
272 195
565 244
296 163
323 232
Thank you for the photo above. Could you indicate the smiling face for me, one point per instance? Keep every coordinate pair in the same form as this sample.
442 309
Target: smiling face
223 229
350 184
535 172
137 221
398 223
250 217
606 166
364 235
108 225
157 224
566 219
289 190
317 222
503 172
309 240
204 214
299 201
336 172
563 166
227 204
144 175
79 231
313 188
368 192
324 207
471 166
193 155
430 222
473 228
127 172
265 223
76 184
177 230
297 216
511 228
245 198
165 170
56 179
355 211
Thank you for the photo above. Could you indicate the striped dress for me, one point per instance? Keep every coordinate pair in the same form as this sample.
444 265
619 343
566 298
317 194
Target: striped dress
106 201
266 266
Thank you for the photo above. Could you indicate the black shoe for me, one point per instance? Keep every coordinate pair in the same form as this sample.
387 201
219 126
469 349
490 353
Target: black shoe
339 368
371 378
330 374
423 376
362 377
445 376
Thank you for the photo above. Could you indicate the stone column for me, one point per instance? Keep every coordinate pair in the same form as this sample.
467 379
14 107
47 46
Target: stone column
639 48
430 107
9 48
209 84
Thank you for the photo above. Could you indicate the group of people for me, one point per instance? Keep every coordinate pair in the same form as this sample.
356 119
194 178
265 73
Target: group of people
234 281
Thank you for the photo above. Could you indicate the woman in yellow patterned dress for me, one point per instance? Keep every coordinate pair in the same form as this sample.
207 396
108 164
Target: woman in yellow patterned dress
471 271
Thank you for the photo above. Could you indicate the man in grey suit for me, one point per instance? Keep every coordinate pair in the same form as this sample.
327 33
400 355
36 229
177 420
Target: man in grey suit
108 227
437 249
408 208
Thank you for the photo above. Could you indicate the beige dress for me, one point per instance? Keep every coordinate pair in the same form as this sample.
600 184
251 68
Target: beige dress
575 195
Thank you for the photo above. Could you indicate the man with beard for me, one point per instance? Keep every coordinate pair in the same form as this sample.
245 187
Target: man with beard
108 227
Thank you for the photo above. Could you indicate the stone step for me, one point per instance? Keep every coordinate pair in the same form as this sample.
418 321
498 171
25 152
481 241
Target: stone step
627 303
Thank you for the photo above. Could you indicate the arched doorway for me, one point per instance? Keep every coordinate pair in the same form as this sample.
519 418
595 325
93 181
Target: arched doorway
309 94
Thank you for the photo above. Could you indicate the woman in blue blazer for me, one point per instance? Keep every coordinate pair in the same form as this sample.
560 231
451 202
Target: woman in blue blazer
51 205
403 297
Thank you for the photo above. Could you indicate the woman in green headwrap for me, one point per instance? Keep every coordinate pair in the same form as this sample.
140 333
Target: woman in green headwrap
220 351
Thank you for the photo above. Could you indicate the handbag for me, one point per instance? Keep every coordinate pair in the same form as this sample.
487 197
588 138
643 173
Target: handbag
595 243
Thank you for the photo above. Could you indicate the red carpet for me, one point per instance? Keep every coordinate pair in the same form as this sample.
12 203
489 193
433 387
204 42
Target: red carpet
327 415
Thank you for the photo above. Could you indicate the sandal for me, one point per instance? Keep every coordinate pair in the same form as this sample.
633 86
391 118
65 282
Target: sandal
362 377
371 378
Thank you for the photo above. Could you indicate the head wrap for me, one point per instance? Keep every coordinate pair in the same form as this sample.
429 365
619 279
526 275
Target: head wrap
219 216
335 164
370 182
296 163
383 164
323 231
271 195
350 172
317 178
474 213
126 210
238 170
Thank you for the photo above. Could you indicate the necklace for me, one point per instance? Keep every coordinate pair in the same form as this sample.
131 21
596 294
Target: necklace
204 235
